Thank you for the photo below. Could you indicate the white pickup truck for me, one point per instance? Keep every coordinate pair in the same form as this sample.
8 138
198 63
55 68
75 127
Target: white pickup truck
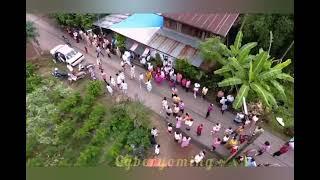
64 53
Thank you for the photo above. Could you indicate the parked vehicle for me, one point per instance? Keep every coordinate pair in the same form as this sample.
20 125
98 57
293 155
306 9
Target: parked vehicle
66 54
77 76
59 74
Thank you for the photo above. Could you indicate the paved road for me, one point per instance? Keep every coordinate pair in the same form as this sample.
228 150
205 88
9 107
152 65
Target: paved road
50 36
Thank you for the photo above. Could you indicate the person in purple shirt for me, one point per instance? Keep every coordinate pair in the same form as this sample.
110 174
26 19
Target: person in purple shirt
210 108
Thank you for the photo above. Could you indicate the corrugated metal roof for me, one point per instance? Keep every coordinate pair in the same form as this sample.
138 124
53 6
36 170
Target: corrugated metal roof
108 21
174 48
216 23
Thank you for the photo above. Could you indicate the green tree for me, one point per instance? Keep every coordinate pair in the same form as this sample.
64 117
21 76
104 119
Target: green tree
31 31
258 26
212 50
84 21
256 74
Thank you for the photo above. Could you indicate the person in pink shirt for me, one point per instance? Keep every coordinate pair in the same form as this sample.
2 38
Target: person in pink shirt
185 141
179 78
188 83
216 141
183 82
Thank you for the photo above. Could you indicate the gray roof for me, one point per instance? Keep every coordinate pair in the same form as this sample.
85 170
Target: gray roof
107 21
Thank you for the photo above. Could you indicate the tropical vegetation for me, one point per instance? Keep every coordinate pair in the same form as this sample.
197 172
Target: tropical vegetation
70 127
74 20
31 31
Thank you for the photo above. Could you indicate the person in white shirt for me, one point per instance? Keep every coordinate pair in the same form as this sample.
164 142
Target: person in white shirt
204 92
141 78
98 61
109 89
124 87
199 157
170 128
81 67
122 76
164 104
154 131
189 123
112 81
228 131
118 80
225 139
177 136
223 100
196 89
132 74
157 149
150 67
143 61
216 128
149 86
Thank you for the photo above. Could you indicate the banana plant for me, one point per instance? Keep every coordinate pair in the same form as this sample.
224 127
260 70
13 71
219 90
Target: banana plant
254 74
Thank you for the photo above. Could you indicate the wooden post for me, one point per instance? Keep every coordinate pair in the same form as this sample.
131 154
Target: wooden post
287 51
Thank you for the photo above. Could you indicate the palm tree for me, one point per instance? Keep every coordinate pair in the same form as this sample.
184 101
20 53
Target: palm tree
255 73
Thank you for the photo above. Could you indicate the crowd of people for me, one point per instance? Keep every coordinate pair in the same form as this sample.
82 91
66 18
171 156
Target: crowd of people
231 138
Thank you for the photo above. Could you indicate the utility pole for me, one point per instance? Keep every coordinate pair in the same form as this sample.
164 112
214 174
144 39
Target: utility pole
270 42
100 25
287 51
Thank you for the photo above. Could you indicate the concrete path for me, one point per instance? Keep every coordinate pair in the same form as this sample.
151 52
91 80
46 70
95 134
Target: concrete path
50 36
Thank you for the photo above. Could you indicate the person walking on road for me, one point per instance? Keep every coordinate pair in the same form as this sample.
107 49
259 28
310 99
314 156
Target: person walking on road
216 128
204 92
99 51
104 76
170 128
112 82
264 148
110 90
149 86
168 111
196 89
283 149
124 87
178 122
141 79
108 52
210 108
164 104
199 129
154 131
181 106
132 73
157 149
188 84
185 141
188 123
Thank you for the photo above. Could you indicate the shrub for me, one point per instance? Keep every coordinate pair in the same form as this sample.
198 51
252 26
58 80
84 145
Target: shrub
89 156
120 41
92 122
65 130
70 102
95 88
188 70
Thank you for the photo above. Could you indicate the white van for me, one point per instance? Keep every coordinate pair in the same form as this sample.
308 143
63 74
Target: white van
64 53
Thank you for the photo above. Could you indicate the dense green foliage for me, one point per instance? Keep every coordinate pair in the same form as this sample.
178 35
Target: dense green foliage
31 31
84 21
256 74
195 74
256 28
65 128
120 41
33 79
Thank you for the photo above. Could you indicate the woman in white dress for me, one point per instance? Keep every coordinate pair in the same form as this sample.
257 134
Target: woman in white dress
149 86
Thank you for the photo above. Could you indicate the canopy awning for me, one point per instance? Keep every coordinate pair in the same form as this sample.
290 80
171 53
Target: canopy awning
145 52
134 47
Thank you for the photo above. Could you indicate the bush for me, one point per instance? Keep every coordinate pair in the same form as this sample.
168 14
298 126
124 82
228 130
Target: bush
188 70
65 130
120 41
70 102
89 156
92 122
95 88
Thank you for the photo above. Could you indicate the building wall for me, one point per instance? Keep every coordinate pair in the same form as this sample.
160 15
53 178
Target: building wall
186 29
